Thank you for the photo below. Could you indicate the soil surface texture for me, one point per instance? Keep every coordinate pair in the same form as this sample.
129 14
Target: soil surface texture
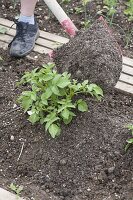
88 160
93 55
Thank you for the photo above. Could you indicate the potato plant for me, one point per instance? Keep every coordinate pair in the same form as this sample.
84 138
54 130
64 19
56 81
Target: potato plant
51 98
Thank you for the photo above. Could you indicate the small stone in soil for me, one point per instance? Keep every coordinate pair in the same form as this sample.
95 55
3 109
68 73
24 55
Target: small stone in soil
111 170
102 176
12 138
88 189
63 162
78 73
11 7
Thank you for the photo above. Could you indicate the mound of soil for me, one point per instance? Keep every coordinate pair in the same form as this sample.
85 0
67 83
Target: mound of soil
93 55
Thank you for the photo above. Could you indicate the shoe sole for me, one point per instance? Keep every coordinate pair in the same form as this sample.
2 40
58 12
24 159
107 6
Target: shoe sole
29 51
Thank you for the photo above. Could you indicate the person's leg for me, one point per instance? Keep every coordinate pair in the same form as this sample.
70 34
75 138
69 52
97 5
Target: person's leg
26 30
27 11
28 7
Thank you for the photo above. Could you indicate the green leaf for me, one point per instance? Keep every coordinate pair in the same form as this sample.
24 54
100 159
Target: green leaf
54 130
55 90
25 102
127 12
82 105
66 75
96 88
49 66
63 82
49 119
48 93
84 2
47 77
67 121
30 94
3 30
79 86
34 118
35 89
65 104
85 82
33 96
56 79
12 187
70 105
26 93
44 100
65 114
127 146
61 108
111 12
130 141
130 127
71 115
17 189
20 189
62 101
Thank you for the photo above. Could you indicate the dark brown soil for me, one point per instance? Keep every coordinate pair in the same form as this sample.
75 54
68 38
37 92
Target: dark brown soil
88 161
93 55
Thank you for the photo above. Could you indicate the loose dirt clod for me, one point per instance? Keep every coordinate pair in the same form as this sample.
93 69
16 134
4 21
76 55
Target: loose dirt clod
94 53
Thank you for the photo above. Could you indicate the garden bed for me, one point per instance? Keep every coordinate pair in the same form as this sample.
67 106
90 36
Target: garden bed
87 161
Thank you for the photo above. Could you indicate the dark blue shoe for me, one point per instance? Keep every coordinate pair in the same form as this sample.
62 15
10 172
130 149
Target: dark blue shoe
24 40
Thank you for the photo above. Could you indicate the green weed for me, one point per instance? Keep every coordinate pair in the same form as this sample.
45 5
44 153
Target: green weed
128 37
16 189
65 1
84 3
110 8
3 30
79 10
83 9
51 97
86 24
129 10
129 141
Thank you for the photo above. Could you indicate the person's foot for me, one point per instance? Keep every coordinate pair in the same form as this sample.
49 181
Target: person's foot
24 40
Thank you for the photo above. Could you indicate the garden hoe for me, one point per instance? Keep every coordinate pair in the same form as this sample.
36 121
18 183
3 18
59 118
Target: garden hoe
62 17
